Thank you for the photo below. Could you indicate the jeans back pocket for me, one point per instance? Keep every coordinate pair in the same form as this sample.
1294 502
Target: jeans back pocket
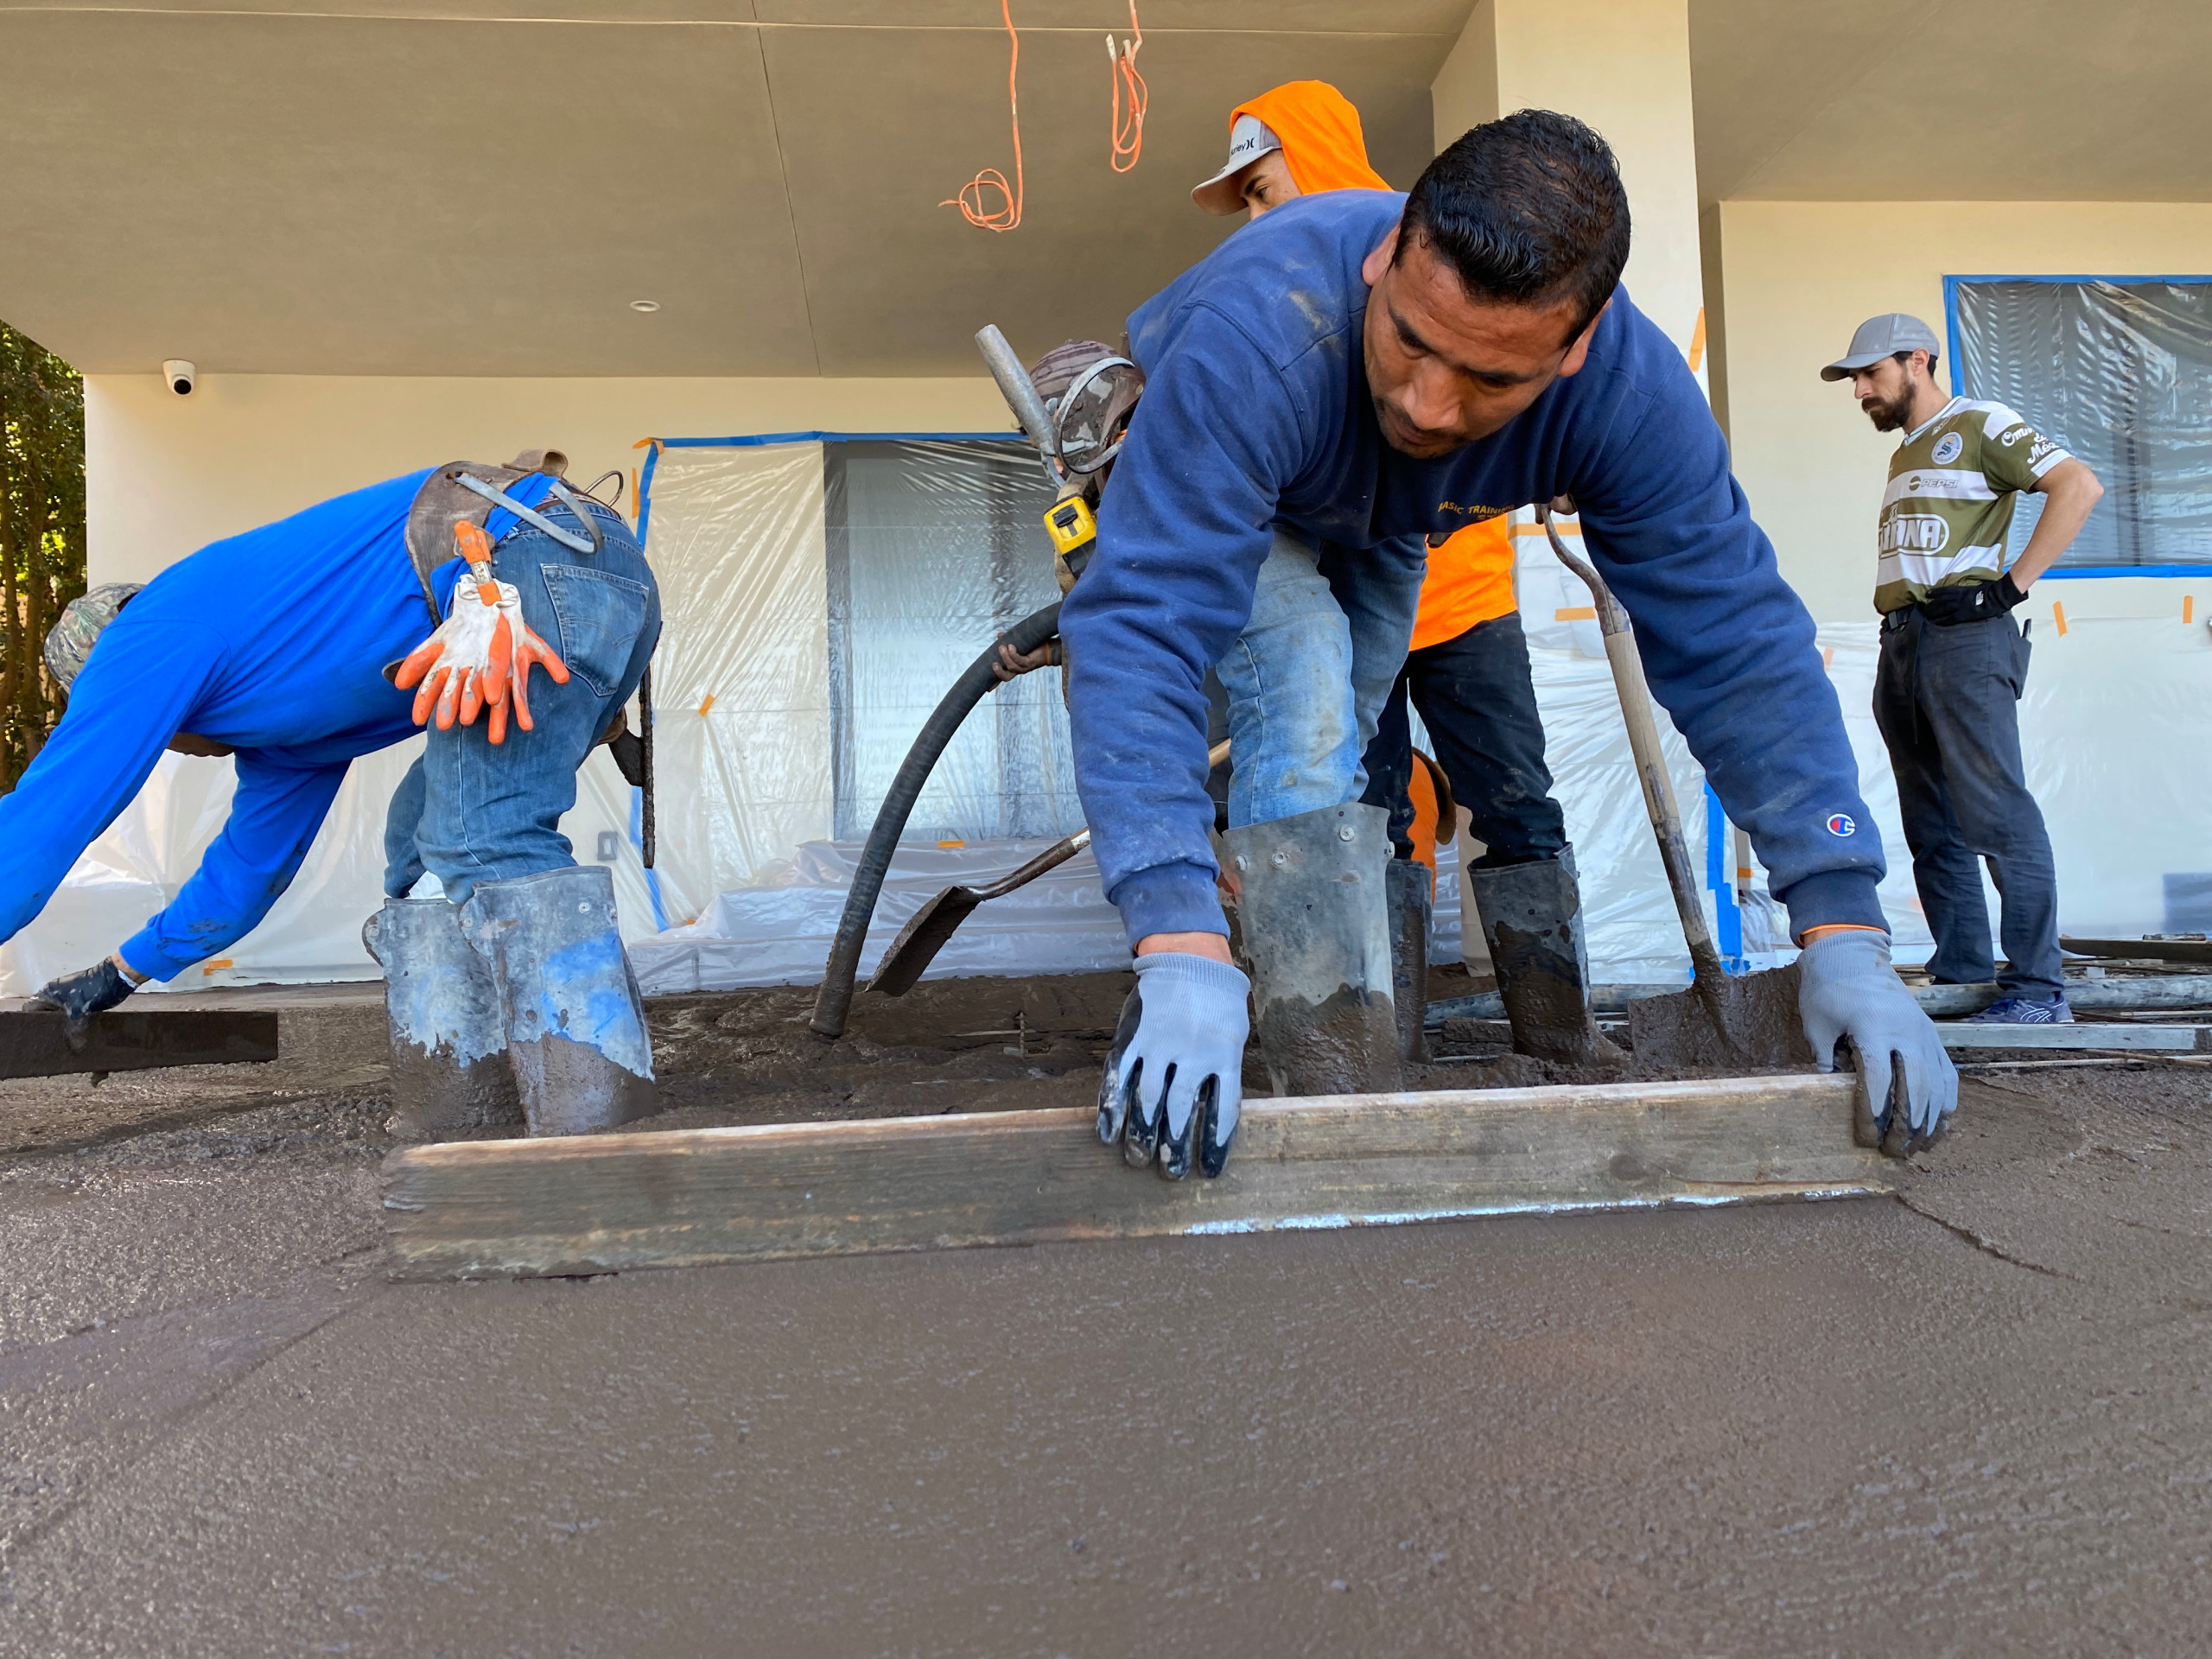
600 617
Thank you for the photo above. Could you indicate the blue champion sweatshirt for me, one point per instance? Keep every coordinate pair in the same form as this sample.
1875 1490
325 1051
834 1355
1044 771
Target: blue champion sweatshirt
1256 412
273 642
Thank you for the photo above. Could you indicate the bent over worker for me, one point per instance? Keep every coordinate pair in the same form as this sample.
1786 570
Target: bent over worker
274 647
1466 667
1357 373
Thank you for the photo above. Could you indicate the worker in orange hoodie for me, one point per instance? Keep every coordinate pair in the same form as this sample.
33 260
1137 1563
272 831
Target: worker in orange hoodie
1467 666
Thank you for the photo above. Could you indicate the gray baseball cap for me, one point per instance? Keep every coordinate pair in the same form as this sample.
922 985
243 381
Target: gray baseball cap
1880 337
1248 139
70 640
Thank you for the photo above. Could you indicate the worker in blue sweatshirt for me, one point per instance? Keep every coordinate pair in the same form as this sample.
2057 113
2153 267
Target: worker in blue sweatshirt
295 648
1358 370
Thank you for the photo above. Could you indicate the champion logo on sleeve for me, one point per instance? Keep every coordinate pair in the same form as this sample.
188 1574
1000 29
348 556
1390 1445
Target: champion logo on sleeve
1842 824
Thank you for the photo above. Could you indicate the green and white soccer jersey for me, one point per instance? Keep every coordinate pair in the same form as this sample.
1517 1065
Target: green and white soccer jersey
1952 485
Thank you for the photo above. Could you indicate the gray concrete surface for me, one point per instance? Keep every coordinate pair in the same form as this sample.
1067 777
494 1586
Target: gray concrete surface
1973 1421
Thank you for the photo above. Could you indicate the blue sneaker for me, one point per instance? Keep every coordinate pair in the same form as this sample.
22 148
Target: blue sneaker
2024 1011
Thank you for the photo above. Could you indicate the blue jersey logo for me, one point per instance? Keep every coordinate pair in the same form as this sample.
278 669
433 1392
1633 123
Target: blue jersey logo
1842 825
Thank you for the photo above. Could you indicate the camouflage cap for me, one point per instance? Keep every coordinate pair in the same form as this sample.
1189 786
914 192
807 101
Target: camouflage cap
70 641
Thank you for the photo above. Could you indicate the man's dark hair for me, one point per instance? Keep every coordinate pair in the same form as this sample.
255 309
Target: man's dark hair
1527 210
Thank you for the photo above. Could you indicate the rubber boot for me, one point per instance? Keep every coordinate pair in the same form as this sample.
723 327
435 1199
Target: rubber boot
1532 920
1412 893
576 1025
1315 928
450 1071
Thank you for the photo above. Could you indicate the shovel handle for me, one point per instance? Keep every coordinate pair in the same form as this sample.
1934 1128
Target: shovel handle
1643 744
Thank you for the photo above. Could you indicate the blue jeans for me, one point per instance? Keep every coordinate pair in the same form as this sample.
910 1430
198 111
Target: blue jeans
469 811
1946 701
1308 676
1477 698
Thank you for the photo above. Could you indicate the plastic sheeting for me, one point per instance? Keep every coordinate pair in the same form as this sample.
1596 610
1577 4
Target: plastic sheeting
742 772
312 933
778 933
1634 933
934 550
2117 727
2121 374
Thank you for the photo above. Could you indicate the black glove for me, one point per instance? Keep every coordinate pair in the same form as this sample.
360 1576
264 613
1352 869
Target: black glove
82 995
629 752
1948 607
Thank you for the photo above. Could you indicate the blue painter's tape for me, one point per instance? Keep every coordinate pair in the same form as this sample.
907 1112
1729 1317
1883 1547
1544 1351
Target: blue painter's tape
2111 572
638 840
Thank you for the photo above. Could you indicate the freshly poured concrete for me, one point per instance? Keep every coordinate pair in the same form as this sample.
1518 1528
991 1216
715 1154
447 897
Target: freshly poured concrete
1973 1421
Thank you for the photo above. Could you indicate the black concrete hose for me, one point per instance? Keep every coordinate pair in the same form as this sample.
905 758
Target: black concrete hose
834 1000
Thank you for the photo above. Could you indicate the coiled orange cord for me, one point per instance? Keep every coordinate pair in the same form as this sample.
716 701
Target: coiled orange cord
1007 217
1128 130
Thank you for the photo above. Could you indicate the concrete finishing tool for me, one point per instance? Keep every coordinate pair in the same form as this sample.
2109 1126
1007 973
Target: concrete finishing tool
936 922
1722 1019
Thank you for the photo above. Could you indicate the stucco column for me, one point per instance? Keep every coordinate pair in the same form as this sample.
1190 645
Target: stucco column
1623 66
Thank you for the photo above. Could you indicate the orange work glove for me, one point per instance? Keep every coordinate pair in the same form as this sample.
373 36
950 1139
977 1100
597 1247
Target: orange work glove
480 653
527 649
462 667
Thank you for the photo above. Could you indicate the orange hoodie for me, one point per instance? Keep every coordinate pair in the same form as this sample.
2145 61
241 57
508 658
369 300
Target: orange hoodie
1321 139
1471 576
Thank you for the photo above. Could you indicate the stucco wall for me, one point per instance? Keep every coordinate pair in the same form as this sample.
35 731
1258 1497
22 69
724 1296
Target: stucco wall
1623 66
167 474
1797 277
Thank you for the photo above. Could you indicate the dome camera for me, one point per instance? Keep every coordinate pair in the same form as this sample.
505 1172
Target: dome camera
179 377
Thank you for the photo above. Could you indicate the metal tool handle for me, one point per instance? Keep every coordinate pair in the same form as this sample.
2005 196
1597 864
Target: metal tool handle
1643 744
1014 384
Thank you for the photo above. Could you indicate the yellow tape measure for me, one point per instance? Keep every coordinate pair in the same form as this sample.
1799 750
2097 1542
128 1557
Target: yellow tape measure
1070 525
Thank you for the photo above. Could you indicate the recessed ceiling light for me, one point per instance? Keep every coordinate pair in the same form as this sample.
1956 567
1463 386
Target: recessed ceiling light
644 305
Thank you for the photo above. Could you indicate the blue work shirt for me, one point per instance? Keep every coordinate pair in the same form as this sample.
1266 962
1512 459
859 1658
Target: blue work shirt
1257 411
274 643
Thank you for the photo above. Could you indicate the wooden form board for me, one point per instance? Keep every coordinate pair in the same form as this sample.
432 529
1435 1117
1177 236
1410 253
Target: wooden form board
601 1203
2082 1034
34 1042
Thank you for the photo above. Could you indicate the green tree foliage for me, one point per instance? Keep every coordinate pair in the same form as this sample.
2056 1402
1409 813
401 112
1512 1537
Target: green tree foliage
41 534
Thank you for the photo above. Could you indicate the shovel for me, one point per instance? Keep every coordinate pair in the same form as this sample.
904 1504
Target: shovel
925 934
1722 1019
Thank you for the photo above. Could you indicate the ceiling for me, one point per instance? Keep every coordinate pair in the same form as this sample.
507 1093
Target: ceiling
482 186
268 185
1952 100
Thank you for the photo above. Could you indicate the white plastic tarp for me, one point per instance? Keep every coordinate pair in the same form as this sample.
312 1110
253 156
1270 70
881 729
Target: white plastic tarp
779 932
2116 726
2119 373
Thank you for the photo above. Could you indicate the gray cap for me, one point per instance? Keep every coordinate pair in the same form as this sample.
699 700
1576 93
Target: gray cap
70 640
1884 336
1249 138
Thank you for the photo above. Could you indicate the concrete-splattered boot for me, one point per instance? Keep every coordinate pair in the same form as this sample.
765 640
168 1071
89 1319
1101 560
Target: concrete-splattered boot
1532 920
1412 893
1314 927
449 1071
576 1025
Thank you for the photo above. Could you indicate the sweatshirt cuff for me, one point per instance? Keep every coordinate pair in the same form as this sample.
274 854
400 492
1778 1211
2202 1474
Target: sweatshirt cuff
144 954
1169 899
1830 896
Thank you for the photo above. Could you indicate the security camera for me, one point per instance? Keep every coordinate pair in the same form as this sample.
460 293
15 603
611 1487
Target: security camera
179 377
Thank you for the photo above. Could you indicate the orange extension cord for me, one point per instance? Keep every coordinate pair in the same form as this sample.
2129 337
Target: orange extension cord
1128 132
1005 218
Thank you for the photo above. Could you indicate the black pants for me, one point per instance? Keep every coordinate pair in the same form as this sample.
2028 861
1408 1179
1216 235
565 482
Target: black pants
1946 701
1479 705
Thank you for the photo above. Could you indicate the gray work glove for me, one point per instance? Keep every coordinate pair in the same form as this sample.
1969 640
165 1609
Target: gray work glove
80 996
1174 1081
1907 1085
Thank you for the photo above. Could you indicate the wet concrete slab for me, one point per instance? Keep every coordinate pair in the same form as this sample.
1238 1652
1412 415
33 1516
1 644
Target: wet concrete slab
1974 1420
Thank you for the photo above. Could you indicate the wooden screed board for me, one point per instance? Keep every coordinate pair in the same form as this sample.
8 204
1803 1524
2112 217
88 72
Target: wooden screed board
688 1198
